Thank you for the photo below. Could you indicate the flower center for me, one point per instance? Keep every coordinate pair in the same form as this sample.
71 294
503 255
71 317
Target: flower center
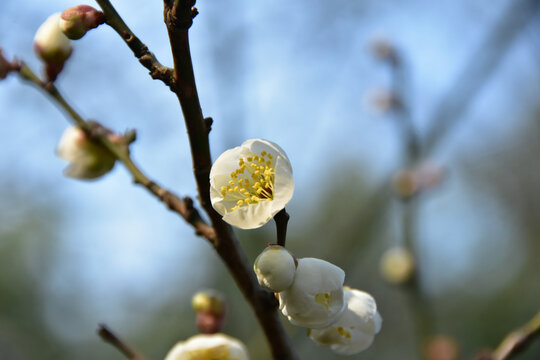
251 182
323 299
220 352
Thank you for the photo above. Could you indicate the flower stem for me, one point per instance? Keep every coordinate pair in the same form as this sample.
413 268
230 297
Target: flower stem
281 219
108 336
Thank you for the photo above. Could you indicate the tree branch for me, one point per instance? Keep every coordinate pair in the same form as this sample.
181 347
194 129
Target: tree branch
184 207
483 63
109 337
140 50
515 342
178 16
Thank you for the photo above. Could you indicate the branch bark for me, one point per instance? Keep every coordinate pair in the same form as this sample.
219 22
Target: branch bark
515 342
108 336
140 50
184 207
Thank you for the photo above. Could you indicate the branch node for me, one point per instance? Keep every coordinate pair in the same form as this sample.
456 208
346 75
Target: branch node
208 121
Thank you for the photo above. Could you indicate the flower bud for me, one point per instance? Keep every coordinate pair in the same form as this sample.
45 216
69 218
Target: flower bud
397 265
87 159
209 305
441 347
50 43
315 298
214 346
275 268
78 20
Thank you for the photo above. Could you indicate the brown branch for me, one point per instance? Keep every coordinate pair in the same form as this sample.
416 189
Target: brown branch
108 336
178 16
515 342
184 207
140 50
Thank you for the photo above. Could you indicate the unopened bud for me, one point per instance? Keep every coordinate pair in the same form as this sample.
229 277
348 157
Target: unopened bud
397 265
405 183
87 159
383 49
441 347
209 306
52 46
275 268
78 20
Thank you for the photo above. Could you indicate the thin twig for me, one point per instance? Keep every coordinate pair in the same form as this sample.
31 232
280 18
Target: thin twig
140 50
108 336
183 207
515 342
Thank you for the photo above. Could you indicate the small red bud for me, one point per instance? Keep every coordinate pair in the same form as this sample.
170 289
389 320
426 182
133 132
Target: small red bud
78 20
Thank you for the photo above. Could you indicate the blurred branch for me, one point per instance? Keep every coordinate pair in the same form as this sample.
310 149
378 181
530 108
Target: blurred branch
140 50
184 207
479 68
515 342
109 337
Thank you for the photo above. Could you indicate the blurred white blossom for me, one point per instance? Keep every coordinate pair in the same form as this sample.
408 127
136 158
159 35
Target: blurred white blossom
209 347
87 160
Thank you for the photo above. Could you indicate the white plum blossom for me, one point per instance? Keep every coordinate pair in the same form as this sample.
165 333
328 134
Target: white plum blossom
315 298
356 328
50 43
275 268
251 183
205 347
87 160
397 265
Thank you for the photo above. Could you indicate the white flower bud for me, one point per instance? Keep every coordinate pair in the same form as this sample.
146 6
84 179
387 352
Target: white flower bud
76 21
214 346
315 299
275 268
251 183
87 159
50 43
355 329
397 265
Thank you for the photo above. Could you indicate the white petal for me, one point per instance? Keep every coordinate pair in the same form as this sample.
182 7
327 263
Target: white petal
356 328
251 216
227 347
314 277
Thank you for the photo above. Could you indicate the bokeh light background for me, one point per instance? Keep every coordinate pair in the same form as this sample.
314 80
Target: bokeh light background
74 254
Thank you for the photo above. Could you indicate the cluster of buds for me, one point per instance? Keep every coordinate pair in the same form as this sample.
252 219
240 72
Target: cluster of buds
311 294
209 307
52 40
409 182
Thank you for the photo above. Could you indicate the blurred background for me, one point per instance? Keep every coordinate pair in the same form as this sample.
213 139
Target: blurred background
461 94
